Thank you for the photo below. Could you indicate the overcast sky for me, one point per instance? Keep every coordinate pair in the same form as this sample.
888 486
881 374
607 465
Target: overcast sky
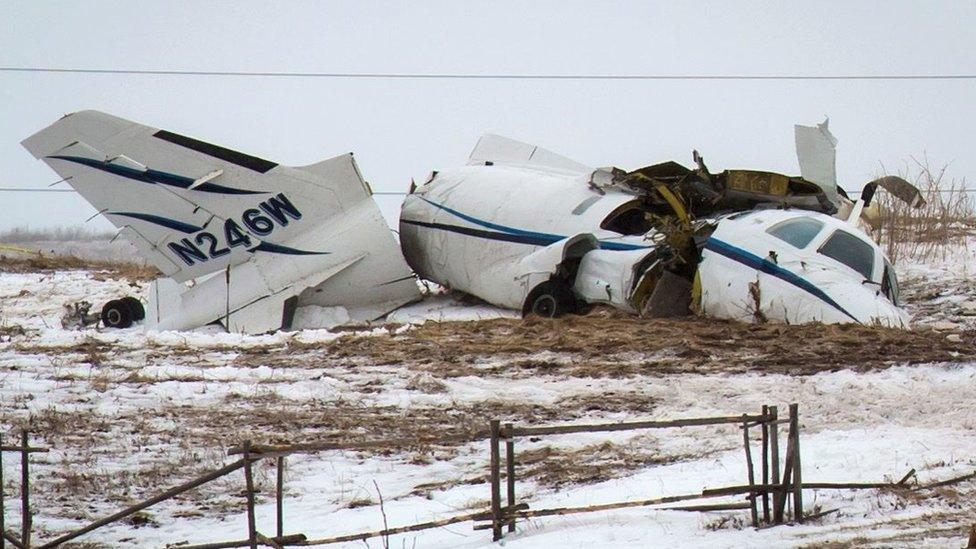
400 129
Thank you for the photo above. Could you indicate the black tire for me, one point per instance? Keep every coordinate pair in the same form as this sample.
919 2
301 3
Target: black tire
116 314
138 311
550 300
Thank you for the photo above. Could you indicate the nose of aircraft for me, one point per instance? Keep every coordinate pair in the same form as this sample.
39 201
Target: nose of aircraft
876 310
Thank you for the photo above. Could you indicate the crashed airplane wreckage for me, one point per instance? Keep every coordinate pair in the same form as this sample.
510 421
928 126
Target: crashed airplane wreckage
252 245
241 241
524 228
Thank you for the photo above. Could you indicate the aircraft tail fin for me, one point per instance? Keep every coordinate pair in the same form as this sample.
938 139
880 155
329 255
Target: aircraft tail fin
192 208
251 233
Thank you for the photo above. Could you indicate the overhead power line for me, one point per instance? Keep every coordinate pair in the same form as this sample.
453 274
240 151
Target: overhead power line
401 193
33 190
28 190
486 76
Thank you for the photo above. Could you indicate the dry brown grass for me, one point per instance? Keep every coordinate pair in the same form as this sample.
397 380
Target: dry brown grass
607 343
949 528
49 263
555 468
195 437
426 383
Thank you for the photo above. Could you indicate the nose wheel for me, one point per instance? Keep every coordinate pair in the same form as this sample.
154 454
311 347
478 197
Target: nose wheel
121 313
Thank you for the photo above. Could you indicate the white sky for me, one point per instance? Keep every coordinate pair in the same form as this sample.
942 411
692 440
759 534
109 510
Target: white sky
403 128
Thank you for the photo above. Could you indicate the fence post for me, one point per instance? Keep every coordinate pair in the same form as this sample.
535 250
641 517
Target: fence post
765 462
279 506
750 471
25 509
252 536
510 472
496 491
797 476
784 490
774 454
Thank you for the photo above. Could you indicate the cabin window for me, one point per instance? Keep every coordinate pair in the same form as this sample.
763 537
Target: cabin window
798 232
629 219
851 251
889 284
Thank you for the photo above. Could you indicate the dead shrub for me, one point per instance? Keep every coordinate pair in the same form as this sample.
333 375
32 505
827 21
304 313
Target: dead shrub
726 522
360 502
936 229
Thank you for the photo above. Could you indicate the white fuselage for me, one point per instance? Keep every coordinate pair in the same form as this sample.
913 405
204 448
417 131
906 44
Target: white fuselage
487 230
476 228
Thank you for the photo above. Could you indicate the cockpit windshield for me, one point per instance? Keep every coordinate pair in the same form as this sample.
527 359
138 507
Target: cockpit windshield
798 232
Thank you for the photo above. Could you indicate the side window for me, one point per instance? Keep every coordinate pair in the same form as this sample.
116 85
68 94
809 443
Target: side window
851 251
889 284
798 232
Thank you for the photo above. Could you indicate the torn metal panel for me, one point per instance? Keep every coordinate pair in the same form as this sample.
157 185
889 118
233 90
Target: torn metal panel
901 189
702 193
816 151
610 277
672 297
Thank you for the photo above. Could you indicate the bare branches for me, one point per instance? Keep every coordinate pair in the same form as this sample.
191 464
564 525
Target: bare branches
385 537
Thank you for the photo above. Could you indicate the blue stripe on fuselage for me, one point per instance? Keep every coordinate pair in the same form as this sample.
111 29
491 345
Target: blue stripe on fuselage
522 236
755 262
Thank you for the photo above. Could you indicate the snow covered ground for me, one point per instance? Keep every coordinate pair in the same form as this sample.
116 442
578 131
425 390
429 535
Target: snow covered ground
128 413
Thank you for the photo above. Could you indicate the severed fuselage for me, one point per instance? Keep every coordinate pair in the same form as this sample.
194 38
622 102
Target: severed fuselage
524 228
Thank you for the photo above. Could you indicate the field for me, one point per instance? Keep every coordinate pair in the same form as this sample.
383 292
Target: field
127 413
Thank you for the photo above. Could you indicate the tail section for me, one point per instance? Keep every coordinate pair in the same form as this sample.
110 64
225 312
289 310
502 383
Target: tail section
194 209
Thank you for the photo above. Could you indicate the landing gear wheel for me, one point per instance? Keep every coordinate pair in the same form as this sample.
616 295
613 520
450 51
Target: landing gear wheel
138 311
551 300
116 314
